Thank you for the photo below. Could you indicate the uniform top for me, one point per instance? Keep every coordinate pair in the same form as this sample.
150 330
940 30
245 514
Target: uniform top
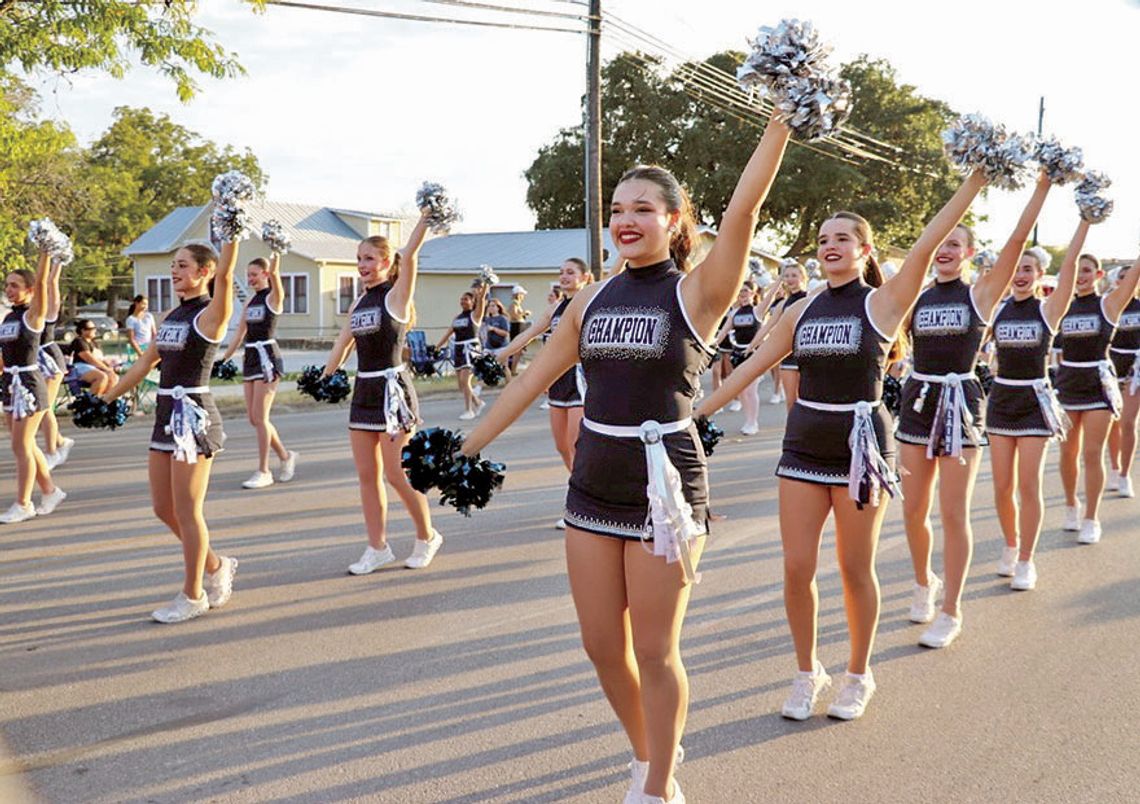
379 334
1086 331
946 329
1128 327
48 334
19 343
793 298
187 355
260 318
640 354
464 327
840 352
1022 339
744 325
557 315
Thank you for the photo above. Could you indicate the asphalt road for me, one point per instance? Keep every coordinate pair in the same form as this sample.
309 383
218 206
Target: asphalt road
466 681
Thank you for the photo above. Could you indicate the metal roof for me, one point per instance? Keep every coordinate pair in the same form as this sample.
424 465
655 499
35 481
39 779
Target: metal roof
317 232
543 250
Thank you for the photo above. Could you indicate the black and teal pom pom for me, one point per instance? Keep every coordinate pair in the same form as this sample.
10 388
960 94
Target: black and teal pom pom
91 412
710 433
488 370
223 370
470 483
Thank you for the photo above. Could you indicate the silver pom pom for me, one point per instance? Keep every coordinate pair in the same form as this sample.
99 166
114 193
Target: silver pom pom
274 236
443 212
985 259
487 276
229 220
974 142
47 237
1094 207
811 265
763 279
1062 165
814 108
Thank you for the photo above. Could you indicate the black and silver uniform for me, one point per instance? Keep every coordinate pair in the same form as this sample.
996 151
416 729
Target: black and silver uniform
20 345
1022 339
464 349
187 357
260 328
568 391
379 338
789 362
1126 342
1087 334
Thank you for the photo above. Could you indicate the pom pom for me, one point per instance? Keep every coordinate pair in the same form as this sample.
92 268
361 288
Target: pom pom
47 237
337 387
985 377
470 483
274 236
814 108
737 357
424 368
763 279
1093 206
223 370
892 394
90 412
1062 165
331 389
985 259
229 220
487 276
709 432
442 211
974 143
488 370
309 383
428 456
812 266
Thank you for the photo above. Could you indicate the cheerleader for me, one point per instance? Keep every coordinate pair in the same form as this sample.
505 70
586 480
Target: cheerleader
1125 354
842 340
1022 413
465 329
384 409
23 388
739 328
940 428
1088 389
57 448
722 362
187 430
793 278
262 366
647 328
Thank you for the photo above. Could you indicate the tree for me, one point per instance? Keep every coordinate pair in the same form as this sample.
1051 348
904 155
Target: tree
65 36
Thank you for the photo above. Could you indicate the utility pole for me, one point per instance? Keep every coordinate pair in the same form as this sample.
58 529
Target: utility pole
1040 131
593 114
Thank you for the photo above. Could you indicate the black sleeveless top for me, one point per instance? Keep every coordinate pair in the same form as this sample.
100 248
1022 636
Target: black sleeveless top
792 299
187 356
946 330
379 336
1022 339
260 320
19 344
1087 333
463 327
1128 328
641 357
557 315
744 325
840 353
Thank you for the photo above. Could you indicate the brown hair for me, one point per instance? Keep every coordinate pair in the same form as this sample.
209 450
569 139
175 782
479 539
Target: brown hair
260 262
684 237
1092 258
873 274
203 254
382 245
583 269
28 277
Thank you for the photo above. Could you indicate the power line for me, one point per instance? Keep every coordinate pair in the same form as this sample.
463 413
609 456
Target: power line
364 12
511 9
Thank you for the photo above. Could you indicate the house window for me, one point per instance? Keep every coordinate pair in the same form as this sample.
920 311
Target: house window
159 293
296 299
347 289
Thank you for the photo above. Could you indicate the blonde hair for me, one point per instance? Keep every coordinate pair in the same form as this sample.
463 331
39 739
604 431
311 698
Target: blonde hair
382 245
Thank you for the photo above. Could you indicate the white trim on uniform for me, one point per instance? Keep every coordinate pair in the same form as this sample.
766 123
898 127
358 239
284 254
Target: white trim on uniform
201 335
711 349
974 304
871 318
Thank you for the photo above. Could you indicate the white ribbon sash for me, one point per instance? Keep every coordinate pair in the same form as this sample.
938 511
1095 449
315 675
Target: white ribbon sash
268 369
23 400
398 416
188 420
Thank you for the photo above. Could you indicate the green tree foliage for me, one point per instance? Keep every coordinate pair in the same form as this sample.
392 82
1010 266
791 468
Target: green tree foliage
649 116
66 36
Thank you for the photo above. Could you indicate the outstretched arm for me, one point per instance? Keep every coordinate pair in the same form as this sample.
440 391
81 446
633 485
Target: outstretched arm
1057 304
520 341
37 309
404 291
1117 299
991 287
135 374
216 317
276 287
714 283
341 349
480 305
51 313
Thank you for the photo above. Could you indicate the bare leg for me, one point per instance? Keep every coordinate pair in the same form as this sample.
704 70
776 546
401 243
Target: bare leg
1070 455
30 464
178 491
373 499
50 425
1127 428
1030 480
1096 427
1004 460
259 400
803 510
955 491
414 501
856 539
918 499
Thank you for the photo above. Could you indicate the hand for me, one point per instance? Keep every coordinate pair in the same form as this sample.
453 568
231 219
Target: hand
502 358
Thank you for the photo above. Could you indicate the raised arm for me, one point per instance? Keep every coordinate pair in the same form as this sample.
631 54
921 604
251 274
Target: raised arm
37 309
991 287
1057 304
404 290
480 305
215 318
276 288
520 341
1117 299
53 296
890 303
714 283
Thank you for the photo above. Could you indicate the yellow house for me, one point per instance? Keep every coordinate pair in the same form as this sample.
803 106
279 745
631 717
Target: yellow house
319 272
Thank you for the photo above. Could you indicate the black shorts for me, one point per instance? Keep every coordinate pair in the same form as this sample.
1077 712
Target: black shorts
251 363
209 443
607 493
1122 362
914 426
1080 388
369 396
566 391
1013 410
32 380
816 448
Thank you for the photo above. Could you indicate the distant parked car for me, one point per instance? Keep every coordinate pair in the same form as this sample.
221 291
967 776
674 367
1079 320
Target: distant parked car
105 328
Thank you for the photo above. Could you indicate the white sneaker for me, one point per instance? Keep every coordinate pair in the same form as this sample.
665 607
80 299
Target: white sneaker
477 390
219 584
288 467
52 459
806 688
750 429
1007 561
1125 488
467 415
560 524
735 406
49 502
1112 482
63 451
924 600
17 513
853 696
372 560
545 405
424 552
775 399
258 480
677 798
479 407
944 630
638 770
181 609
1072 517
1090 532
1024 577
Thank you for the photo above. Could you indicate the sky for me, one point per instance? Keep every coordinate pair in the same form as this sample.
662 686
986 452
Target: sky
356 112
